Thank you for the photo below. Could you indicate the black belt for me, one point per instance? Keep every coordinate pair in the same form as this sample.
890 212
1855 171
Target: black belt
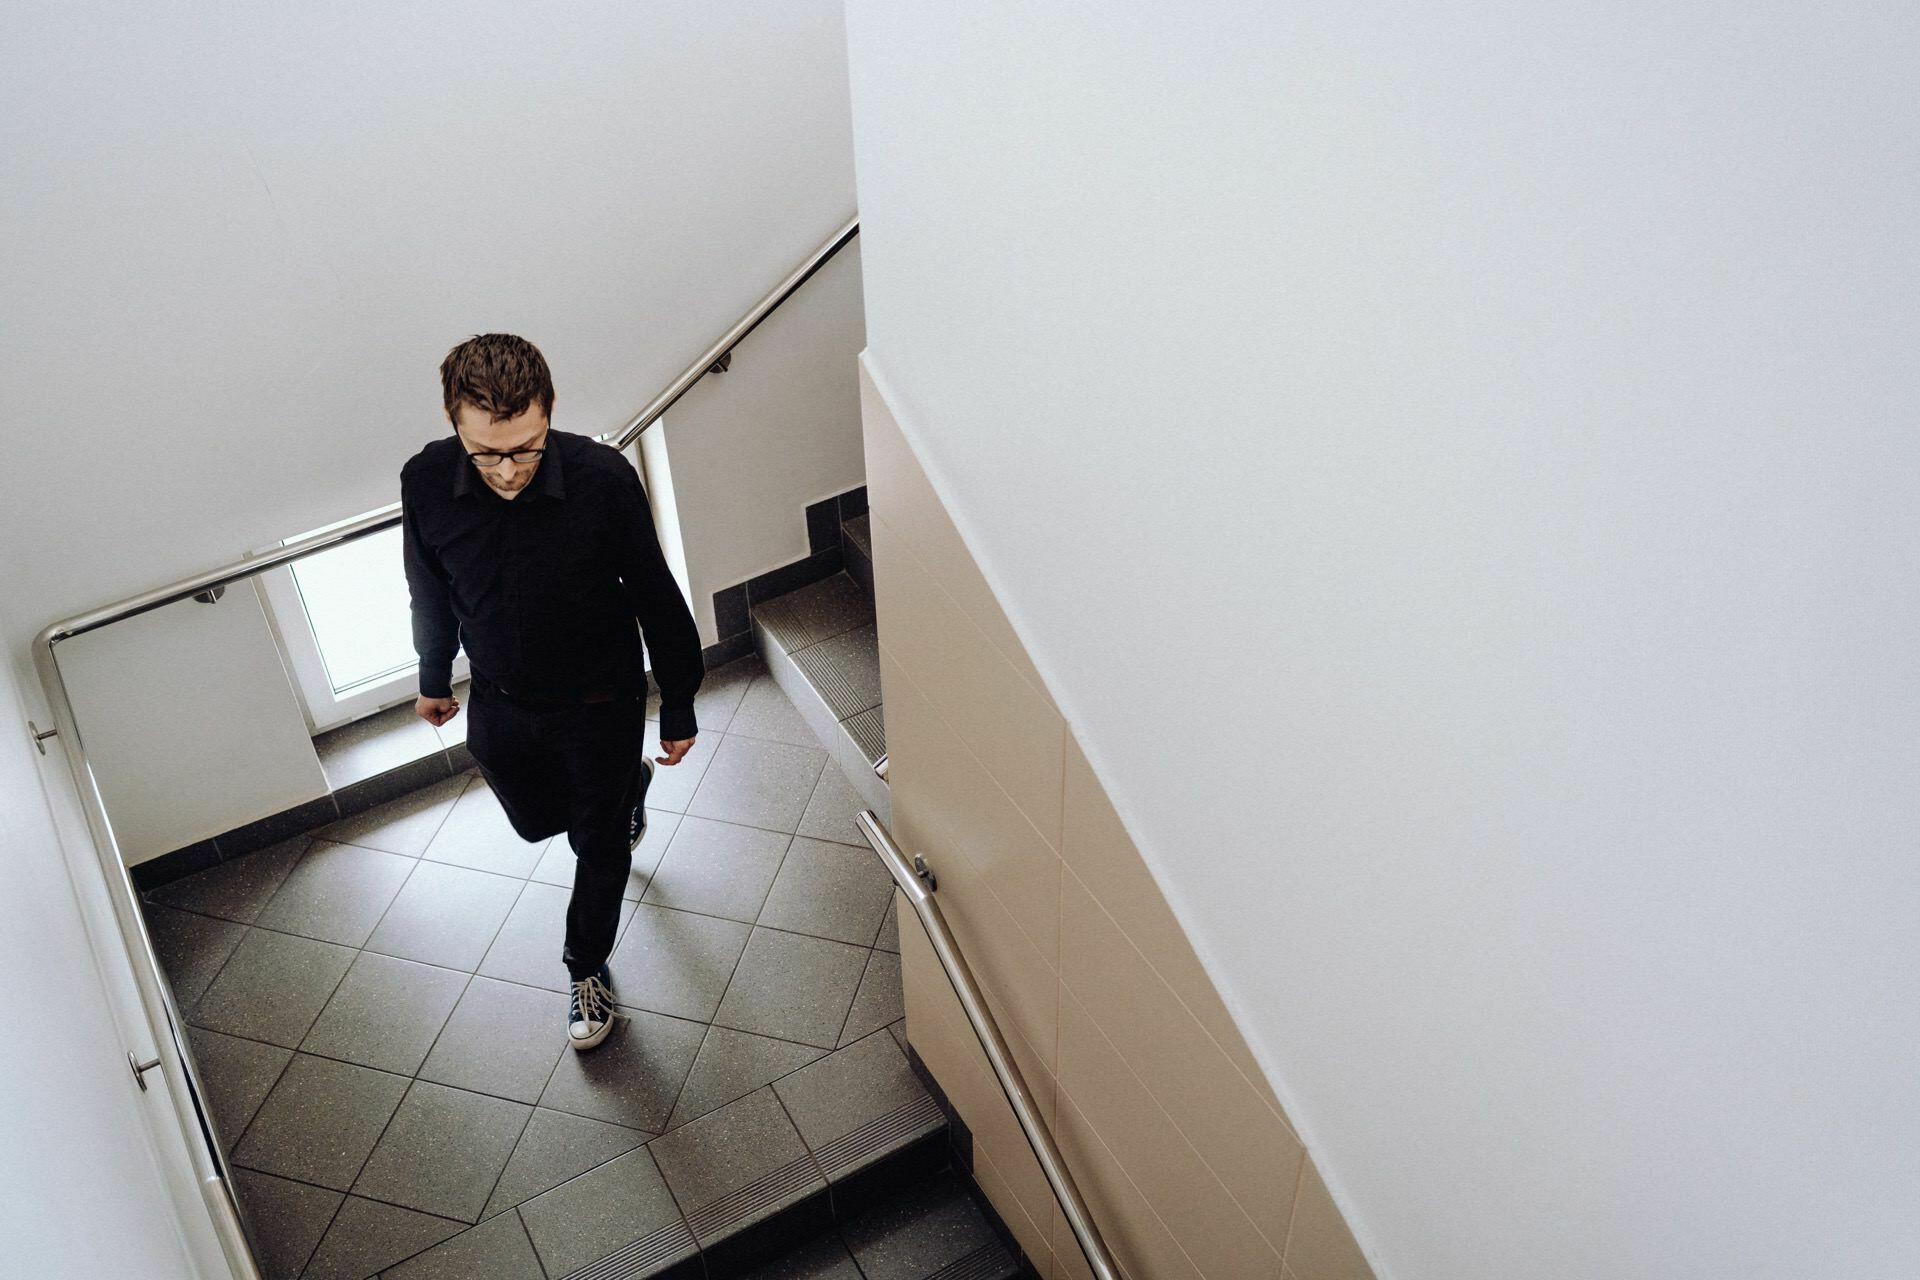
534 703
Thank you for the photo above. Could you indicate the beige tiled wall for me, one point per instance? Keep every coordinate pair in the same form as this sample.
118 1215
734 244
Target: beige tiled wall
1181 1149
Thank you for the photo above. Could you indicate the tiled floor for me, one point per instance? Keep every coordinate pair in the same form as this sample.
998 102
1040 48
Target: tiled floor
377 1011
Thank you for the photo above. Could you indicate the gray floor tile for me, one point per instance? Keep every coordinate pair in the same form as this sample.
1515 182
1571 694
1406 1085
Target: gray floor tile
793 987
718 869
273 987
879 1000
237 1075
477 834
823 1259
497 1249
675 962
374 744
634 1076
889 937
502 1039
758 784
443 1151
849 1088
446 915
584 1220
237 889
406 825
557 1146
367 1236
765 713
557 863
336 893
320 1121
914 1235
731 1065
826 608
285 1220
385 1013
527 948
746 1142
898 1030
855 656
830 891
831 808
673 785
191 950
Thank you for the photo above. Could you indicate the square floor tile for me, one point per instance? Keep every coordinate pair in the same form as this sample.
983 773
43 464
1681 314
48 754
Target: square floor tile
925 1228
879 1000
320 1121
503 1039
235 889
528 947
830 891
586 1219
557 863
676 962
367 1236
446 915
477 834
889 937
673 785
285 1220
497 1249
406 825
745 1142
634 1076
758 784
718 869
557 1146
385 1013
236 1075
831 809
731 1065
192 949
822 1259
273 987
443 1151
852 1087
336 893
827 608
766 713
720 693
793 987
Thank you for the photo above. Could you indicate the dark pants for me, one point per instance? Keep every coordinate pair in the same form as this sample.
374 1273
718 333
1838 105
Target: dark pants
574 769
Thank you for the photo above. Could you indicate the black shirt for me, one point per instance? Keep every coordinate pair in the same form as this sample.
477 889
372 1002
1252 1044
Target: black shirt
543 589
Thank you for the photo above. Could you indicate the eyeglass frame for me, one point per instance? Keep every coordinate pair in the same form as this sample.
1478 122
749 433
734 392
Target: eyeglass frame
500 456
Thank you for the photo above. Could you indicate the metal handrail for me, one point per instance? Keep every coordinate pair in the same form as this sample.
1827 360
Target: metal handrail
163 1018
915 882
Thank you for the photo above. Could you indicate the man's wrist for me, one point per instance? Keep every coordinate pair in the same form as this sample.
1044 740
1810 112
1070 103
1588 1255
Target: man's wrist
678 723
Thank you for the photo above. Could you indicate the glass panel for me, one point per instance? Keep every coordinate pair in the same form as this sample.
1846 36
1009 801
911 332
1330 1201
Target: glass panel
356 601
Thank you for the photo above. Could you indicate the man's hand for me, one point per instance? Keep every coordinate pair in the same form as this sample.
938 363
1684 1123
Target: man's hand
436 711
676 750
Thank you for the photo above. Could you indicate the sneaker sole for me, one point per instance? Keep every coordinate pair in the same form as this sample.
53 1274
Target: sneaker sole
581 1045
646 781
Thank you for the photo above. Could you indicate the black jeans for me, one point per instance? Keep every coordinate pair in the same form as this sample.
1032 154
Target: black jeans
574 769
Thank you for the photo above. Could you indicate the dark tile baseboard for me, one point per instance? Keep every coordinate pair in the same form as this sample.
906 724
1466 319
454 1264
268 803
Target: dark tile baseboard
826 556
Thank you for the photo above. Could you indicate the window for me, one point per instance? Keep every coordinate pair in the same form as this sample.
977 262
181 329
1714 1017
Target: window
344 626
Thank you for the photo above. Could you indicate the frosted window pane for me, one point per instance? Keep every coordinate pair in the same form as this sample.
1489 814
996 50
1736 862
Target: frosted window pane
356 600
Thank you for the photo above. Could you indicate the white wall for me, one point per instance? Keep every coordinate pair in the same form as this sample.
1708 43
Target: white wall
239 241
1456 467
750 448
79 1193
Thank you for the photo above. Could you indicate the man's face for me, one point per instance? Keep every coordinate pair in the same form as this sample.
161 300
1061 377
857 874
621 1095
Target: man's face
526 430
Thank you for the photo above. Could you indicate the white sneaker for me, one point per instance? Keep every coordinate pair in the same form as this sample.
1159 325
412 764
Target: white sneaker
592 1013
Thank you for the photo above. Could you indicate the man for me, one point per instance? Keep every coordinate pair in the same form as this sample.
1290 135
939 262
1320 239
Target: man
535 549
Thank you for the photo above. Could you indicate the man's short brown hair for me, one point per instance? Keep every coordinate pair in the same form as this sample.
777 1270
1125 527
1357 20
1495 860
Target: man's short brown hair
498 374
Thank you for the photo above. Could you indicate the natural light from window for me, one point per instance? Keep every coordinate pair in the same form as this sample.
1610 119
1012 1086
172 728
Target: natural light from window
355 597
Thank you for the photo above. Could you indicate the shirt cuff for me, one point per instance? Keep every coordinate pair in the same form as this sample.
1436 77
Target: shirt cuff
436 682
677 724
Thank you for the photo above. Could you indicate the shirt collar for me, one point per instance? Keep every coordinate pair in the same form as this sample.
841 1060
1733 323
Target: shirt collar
549 481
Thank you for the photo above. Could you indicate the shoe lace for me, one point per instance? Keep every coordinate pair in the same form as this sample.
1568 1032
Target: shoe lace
592 1001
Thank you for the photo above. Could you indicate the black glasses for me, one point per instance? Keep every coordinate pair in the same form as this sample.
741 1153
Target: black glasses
492 458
